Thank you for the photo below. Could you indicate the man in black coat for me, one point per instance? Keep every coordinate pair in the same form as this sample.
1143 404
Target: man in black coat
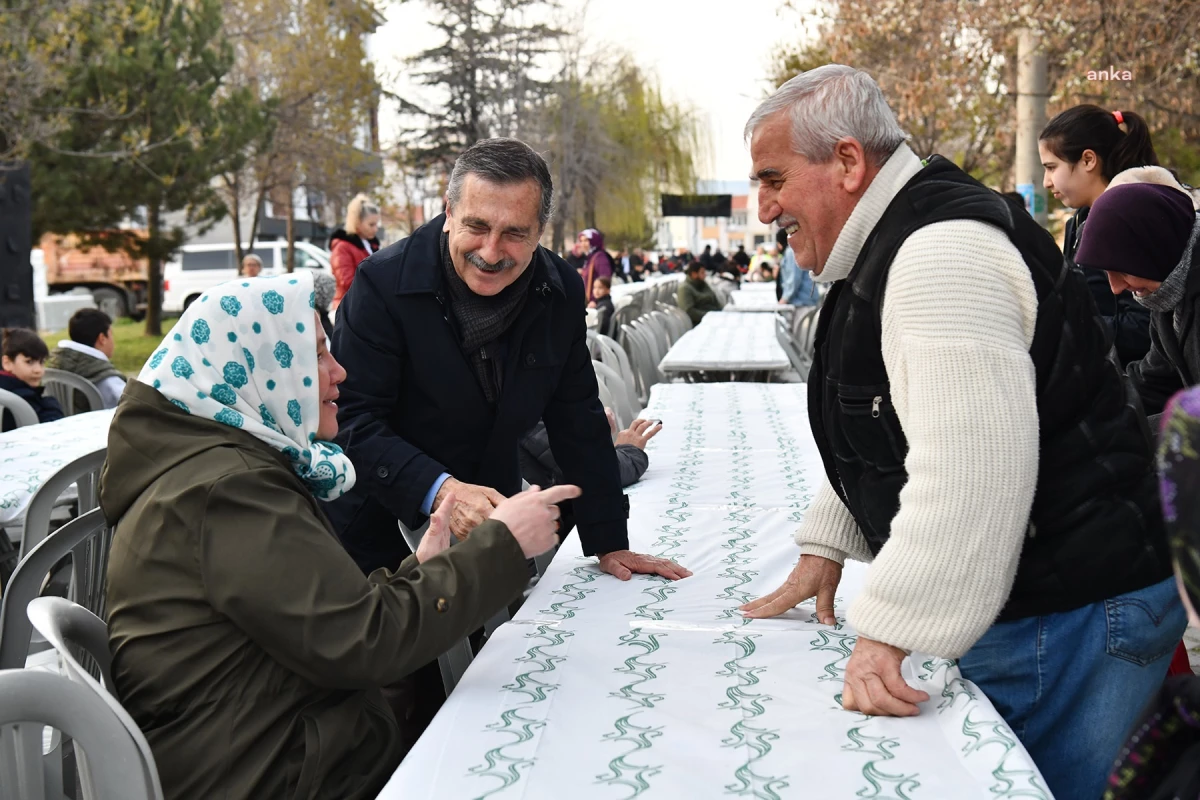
457 340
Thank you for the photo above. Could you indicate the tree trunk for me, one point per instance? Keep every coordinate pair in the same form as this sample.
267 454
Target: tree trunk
291 227
257 219
154 291
589 202
235 211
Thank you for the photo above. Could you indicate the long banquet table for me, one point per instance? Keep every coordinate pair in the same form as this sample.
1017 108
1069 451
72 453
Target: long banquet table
733 342
604 689
743 300
30 455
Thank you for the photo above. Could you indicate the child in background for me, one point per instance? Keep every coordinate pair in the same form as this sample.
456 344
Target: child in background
24 363
604 303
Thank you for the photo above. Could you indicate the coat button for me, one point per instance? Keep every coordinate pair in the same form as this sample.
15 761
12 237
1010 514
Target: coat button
530 360
381 472
442 605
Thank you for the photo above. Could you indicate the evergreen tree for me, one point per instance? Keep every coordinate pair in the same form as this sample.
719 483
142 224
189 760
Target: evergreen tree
176 126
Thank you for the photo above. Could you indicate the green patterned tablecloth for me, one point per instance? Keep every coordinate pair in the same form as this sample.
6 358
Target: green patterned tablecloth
604 689
30 455
728 342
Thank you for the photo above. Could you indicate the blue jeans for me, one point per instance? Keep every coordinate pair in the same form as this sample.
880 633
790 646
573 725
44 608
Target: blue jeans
1071 684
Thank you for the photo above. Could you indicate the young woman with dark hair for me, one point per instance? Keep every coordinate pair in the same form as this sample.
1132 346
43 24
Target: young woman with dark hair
1082 150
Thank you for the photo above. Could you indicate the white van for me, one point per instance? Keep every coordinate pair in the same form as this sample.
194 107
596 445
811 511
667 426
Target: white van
196 268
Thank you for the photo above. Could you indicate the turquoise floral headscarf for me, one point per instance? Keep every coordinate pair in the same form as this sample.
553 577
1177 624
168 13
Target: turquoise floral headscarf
244 354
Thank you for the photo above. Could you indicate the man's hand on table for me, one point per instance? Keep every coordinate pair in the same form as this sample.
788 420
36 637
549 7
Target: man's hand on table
812 576
640 432
874 684
623 564
473 505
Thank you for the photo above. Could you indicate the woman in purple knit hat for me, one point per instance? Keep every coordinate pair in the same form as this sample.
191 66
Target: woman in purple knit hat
1144 236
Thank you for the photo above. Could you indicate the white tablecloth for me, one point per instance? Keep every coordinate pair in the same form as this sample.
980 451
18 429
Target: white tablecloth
603 689
758 301
758 287
623 293
30 455
738 342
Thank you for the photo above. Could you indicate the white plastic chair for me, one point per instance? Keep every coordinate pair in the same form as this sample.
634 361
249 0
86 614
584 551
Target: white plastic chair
31 700
71 628
613 394
83 473
86 540
613 356
23 413
62 385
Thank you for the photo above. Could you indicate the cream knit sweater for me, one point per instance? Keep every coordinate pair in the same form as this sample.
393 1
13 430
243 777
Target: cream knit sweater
958 321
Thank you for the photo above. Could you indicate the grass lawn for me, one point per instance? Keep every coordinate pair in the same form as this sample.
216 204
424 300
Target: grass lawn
133 346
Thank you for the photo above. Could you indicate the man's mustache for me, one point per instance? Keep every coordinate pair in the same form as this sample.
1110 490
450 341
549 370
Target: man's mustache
475 260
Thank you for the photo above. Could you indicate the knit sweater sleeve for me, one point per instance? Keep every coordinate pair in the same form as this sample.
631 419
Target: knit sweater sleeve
958 321
829 529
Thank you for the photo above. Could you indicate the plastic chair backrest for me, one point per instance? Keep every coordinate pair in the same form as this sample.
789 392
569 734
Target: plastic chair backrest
612 355
23 413
84 471
654 352
791 351
63 385
641 359
610 383
31 700
71 628
87 541
454 662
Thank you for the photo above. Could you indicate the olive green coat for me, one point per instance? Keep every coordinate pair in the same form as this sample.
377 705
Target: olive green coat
246 643
696 298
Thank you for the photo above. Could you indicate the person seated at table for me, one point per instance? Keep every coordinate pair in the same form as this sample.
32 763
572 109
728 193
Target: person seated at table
247 644
764 274
1161 760
603 302
24 363
694 296
538 466
88 354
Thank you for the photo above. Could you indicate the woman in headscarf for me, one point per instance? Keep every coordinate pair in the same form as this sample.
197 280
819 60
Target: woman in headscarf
1161 760
599 263
246 643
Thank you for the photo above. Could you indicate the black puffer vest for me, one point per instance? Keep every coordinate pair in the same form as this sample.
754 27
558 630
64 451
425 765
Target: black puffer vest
1095 530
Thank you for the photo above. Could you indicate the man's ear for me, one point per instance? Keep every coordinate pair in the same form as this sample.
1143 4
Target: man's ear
449 214
852 159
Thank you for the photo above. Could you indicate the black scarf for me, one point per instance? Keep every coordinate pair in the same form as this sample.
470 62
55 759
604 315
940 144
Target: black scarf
483 320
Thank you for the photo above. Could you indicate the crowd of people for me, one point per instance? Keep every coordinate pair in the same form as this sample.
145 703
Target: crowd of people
1003 441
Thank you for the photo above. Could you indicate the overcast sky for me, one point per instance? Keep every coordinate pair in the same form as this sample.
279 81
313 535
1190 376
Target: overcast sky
710 54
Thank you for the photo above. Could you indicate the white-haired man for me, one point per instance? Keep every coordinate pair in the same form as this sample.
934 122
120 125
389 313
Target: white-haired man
980 448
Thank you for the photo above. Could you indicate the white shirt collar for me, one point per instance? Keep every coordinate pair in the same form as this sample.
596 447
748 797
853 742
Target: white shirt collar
897 171
82 348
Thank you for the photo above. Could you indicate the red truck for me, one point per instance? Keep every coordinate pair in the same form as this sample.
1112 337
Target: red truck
118 283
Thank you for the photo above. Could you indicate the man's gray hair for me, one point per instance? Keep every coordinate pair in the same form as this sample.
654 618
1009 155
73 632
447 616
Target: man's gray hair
827 104
504 161
252 257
